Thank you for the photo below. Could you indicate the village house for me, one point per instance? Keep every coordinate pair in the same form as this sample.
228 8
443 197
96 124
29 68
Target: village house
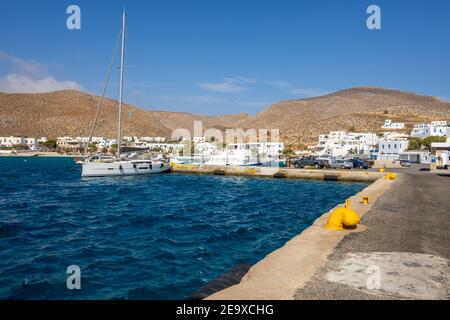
67 142
10 142
435 128
389 125
389 147
441 151
341 143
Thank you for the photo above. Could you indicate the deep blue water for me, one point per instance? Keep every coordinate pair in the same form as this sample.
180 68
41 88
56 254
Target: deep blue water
158 237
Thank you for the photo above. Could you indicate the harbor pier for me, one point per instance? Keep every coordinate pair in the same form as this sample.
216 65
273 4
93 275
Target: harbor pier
275 172
400 249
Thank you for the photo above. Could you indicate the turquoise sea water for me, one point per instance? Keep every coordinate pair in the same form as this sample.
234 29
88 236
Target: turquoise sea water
153 237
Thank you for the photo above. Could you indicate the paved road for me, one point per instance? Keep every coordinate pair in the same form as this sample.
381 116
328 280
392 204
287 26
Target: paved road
410 225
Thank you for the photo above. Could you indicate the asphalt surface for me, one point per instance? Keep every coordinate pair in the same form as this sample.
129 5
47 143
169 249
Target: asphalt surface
412 217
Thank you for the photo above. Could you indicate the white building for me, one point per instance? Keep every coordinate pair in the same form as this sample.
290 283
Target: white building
11 141
106 143
165 147
435 128
390 149
31 143
67 142
128 139
423 157
341 143
389 125
441 151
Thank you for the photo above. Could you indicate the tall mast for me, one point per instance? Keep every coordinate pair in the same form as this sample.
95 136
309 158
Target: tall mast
122 58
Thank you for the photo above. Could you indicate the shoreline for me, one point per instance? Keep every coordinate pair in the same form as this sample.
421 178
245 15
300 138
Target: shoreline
283 272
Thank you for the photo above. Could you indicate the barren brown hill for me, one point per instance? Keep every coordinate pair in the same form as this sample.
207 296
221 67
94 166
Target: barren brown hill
300 121
360 109
71 112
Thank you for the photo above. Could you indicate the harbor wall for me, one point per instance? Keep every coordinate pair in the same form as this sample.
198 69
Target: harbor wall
274 172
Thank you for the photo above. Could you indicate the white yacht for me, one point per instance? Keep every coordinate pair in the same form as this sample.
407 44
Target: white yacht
101 168
120 165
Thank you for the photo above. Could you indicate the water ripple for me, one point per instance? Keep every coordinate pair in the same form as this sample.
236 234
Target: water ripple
159 237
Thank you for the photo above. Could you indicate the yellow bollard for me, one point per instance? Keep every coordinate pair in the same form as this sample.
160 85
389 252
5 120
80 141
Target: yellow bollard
366 200
347 203
381 170
390 176
342 217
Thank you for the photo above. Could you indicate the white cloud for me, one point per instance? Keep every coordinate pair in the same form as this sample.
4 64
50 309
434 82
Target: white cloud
17 83
308 93
228 84
29 76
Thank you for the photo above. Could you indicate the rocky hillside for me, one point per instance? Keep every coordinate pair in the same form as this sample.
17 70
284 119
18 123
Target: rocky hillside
72 113
300 121
359 109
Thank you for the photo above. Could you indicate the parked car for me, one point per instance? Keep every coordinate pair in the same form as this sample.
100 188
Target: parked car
359 164
309 162
341 164
405 163
370 163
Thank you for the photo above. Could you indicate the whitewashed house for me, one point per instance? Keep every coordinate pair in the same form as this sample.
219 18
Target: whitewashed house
341 143
441 151
11 141
390 149
389 125
67 142
435 128
31 143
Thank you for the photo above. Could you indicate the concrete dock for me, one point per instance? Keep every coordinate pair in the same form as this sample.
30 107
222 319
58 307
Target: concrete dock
407 241
400 250
274 172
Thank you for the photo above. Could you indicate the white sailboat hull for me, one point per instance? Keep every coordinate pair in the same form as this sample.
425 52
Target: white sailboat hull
123 168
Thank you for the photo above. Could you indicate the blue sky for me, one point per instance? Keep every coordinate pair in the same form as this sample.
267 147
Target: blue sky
226 56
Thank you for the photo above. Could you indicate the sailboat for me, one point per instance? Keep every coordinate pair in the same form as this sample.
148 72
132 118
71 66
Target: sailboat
120 165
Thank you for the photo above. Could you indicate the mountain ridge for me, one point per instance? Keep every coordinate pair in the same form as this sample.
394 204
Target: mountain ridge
300 121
